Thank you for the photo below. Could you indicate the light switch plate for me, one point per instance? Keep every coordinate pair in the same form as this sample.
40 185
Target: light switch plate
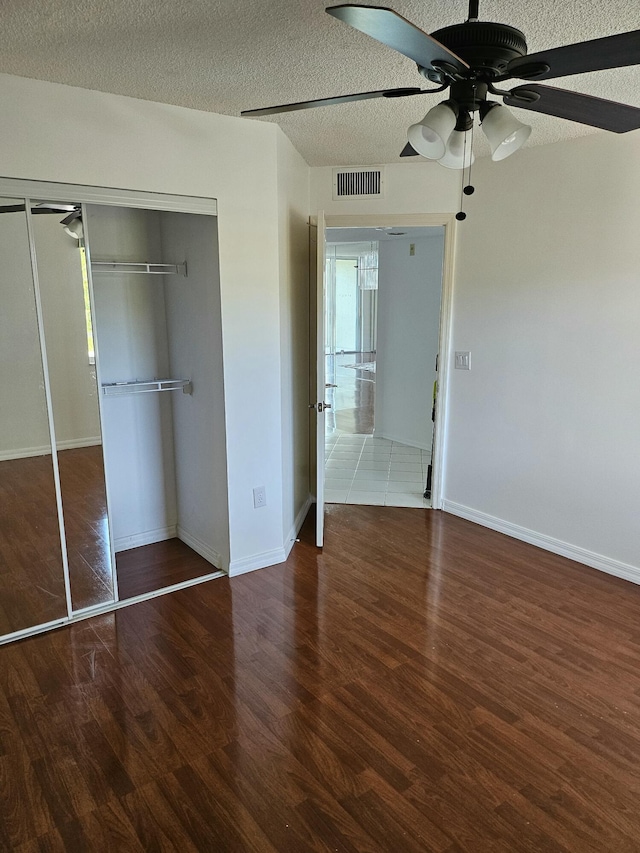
463 361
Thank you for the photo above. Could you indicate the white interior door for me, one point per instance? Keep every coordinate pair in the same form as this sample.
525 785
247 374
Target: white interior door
320 405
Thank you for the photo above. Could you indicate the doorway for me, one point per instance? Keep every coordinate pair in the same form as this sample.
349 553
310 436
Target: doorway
382 338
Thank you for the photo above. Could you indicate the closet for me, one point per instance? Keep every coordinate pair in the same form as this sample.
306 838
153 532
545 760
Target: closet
113 482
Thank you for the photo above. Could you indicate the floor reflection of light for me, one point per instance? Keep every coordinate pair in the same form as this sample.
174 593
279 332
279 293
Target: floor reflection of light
103 527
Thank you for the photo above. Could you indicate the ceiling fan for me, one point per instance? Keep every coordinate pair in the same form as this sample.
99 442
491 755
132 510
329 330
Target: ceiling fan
45 207
72 222
469 59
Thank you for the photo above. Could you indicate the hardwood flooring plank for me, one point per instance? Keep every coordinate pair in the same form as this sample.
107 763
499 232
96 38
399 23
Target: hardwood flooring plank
157 827
255 788
158 565
22 805
234 827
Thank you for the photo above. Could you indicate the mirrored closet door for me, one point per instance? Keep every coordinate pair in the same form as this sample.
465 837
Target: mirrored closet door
32 579
68 332
112 427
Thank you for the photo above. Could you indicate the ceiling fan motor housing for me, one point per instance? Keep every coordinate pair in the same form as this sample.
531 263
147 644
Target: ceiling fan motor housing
486 47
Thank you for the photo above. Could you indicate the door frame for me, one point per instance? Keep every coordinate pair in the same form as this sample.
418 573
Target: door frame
428 220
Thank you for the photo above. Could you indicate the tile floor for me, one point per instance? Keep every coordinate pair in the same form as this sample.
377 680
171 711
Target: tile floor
361 469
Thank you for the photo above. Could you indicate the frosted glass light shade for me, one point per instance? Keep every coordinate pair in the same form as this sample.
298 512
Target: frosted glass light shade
429 136
74 229
455 156
503 130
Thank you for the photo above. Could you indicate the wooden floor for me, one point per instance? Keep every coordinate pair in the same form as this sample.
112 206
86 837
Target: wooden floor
158 565
31 574
422 684
84 501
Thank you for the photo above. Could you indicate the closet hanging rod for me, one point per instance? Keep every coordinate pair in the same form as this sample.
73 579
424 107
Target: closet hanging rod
144 386
146 269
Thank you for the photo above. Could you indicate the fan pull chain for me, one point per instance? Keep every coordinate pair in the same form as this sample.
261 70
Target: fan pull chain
461 215
469 189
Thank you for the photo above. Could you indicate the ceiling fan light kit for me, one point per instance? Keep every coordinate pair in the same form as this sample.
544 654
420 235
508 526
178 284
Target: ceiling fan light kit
429 137
503 130
469 59
458 154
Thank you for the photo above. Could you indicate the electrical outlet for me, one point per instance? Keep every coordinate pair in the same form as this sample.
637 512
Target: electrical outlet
463 361
412 249
259 497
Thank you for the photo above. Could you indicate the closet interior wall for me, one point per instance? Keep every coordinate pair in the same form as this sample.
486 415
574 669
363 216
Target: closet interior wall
165 451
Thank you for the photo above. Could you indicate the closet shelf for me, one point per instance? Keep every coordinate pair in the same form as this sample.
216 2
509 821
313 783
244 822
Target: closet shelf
144 386
147 269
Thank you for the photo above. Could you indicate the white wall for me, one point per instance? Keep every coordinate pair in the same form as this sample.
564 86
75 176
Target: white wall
108 140
409 290
195 352
544 428
293 207
542 432
131 340
422 187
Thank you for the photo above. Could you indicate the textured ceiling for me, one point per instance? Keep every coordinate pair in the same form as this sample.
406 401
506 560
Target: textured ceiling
225 57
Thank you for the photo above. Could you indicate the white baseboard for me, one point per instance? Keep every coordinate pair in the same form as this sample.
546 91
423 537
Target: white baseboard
547 543
45 449
257 561
24 452
200 547
297 524
400 440
147 537
271 558
71 443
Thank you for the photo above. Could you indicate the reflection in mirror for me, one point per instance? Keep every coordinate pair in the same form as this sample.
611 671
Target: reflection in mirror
66 314
32 588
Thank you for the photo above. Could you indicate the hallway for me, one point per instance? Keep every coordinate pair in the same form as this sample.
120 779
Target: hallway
361 468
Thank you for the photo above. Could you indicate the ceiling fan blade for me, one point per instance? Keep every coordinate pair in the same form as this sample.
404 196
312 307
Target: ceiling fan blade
19 208
328 102
56 207
75 214
46 210
594 55
409 151
389 28
596 112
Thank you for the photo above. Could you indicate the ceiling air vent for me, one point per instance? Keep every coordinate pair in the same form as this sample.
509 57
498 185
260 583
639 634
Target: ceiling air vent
358 182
